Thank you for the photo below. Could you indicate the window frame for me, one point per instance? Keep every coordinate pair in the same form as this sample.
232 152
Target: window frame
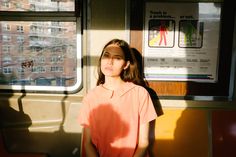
53 16
188 90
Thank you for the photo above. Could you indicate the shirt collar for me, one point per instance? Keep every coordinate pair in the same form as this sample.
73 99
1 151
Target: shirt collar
110 93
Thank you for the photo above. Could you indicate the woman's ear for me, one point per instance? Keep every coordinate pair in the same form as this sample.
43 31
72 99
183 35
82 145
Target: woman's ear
127 65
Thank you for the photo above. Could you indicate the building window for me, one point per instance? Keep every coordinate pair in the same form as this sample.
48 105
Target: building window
39 69
20 29
57 69
57 59
6 5
6 38
7 70
6 28
20 39
44 45
6 49
7 60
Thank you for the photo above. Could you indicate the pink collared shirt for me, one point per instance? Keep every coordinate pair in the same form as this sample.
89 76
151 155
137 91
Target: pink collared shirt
114 118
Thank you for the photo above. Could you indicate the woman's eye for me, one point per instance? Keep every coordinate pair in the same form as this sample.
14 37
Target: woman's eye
118 58
105 56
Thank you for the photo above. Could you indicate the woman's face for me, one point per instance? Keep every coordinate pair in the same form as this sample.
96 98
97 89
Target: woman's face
113 61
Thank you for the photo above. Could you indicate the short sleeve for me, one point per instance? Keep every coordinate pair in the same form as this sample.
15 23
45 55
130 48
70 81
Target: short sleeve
147 111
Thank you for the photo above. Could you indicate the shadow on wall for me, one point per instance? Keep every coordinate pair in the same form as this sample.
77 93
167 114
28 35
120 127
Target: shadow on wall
182 133
153 94
12 118
154 98
192 134
179 132
18 139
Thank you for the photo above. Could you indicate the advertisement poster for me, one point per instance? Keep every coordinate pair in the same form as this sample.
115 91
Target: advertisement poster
181 41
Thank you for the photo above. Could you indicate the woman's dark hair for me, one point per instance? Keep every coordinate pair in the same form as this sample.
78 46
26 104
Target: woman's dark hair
139 59
131 74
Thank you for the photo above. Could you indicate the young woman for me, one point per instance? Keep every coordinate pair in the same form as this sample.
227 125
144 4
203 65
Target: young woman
116 113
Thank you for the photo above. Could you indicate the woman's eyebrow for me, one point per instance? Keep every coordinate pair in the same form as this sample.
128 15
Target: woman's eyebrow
118 55
106 53
113 54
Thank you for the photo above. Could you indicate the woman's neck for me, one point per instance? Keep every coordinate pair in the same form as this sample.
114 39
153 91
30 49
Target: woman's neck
113 83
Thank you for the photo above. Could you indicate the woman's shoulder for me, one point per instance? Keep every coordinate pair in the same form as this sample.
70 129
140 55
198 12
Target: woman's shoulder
93 92
136 87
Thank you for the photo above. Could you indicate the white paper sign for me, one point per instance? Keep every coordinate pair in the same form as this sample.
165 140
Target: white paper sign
181 41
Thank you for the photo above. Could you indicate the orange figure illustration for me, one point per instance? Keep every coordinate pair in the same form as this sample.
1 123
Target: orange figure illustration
162 32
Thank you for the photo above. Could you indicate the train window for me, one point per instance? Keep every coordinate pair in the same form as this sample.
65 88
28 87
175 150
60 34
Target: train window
40 45
37 5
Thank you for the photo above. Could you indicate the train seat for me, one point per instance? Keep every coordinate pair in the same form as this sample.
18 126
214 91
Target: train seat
4 153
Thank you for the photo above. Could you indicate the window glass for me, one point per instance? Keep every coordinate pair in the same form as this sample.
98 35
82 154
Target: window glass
38 52
42 52
37 5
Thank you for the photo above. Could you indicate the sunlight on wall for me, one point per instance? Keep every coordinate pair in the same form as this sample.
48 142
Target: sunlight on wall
168 124
98 39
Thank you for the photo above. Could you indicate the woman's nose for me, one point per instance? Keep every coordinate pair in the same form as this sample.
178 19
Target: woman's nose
110 60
